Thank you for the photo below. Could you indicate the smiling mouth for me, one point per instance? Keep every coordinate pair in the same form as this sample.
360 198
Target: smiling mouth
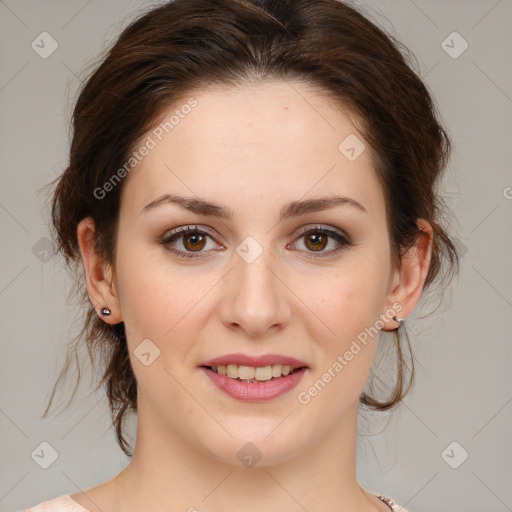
254 373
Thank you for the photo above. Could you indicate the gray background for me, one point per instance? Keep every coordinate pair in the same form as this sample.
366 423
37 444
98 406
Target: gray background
463 390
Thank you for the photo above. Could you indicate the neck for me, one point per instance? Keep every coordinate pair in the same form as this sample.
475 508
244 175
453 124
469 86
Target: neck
169 473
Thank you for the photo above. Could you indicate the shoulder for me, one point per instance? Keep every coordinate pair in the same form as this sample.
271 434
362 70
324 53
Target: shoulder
63 503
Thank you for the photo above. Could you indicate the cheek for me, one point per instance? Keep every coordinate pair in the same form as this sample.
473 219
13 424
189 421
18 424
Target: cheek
347 339
163 303
350 300
348 304
150 296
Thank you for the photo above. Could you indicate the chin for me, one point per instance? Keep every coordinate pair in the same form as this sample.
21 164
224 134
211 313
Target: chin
251 446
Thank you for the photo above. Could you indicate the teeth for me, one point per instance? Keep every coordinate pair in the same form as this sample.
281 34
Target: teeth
276 370
246 372
263 373
251 373
232 371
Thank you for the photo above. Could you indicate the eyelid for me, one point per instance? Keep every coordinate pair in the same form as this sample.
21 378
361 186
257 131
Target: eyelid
302 230
189 228
321 227
344 240
332 232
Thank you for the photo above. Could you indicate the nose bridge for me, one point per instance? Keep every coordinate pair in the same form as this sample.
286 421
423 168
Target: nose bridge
258 300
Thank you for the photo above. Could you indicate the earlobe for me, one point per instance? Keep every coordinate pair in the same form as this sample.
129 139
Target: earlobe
100 287
412 274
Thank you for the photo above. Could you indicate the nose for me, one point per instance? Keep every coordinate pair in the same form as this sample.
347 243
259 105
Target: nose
255 296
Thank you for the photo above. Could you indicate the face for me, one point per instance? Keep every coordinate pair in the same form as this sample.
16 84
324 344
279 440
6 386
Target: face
267 277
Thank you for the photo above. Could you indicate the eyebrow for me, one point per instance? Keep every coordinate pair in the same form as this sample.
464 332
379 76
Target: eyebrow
289 210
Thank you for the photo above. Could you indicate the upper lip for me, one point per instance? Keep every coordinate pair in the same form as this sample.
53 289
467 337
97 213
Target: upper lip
247 360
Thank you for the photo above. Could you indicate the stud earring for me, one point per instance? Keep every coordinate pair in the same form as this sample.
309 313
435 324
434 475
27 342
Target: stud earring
400 321
105 311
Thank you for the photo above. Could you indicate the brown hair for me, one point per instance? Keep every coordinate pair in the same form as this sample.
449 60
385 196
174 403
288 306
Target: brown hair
185 44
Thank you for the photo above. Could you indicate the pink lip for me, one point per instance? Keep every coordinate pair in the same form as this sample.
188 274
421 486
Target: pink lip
246 360
254 391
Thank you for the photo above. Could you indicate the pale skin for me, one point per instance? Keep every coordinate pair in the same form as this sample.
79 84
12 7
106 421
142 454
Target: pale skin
252 149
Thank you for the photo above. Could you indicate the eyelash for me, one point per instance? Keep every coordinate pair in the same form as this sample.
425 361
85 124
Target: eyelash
180 232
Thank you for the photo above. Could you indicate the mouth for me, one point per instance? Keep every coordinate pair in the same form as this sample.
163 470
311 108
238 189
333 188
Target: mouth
254 383
254 378
254 374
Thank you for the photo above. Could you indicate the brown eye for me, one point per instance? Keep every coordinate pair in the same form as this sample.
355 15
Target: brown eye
194 241
317 238
316 241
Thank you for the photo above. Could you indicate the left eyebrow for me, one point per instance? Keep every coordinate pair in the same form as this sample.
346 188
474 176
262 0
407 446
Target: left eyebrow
297 208
290 210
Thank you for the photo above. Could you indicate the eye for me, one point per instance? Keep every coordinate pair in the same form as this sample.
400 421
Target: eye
193 239
316 239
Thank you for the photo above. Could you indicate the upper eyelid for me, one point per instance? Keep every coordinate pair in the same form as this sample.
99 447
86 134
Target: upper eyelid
325 227
189 228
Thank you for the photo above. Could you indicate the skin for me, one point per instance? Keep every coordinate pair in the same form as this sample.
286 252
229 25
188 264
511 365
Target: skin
252 149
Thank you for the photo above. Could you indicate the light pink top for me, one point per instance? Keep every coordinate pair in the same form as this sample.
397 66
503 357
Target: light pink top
65 503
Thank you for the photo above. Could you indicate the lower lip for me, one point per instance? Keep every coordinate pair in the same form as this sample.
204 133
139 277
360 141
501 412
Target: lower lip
255 391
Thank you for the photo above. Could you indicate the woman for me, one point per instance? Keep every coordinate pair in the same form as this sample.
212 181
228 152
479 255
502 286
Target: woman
252 194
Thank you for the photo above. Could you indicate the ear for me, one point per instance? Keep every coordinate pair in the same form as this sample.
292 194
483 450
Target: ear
100 279
408 280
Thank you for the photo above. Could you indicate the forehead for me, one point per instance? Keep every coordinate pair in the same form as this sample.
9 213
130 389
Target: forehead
252 145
